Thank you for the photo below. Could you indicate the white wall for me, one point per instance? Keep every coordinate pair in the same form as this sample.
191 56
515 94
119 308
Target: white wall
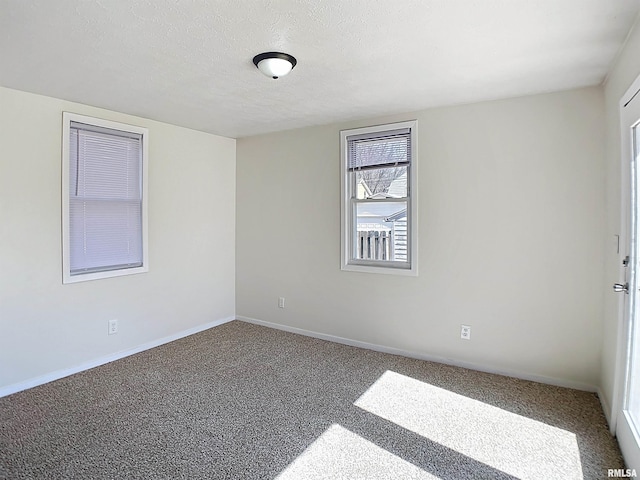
510 238
621 76
47 327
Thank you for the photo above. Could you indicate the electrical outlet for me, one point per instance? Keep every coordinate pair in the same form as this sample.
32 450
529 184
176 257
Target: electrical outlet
281 302
465 332
113 326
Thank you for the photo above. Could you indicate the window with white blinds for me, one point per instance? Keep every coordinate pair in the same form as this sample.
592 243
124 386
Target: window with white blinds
379 149
104 199
379 231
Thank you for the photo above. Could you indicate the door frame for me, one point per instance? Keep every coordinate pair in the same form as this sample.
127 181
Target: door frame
628 225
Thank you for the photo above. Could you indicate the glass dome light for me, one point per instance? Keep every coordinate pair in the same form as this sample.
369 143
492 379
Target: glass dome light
274 64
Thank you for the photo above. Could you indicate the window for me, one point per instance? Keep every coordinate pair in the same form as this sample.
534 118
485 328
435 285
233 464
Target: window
104 199
379 172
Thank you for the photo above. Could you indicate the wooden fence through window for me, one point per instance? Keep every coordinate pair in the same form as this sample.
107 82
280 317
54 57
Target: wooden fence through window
375 245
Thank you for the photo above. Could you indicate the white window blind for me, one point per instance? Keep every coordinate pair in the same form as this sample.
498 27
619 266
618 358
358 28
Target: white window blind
387 149
105 199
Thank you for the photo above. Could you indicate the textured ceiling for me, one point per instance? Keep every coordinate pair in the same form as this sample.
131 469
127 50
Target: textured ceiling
189 62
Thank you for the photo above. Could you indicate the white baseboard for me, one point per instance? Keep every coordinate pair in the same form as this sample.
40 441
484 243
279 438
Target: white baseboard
58 374
559 382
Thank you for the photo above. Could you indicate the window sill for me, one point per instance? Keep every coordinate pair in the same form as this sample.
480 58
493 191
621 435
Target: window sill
407 272
85 277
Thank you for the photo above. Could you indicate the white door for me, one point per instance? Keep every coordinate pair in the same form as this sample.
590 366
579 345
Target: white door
628 410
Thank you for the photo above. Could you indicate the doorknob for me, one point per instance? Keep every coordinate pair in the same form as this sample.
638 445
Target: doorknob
621 287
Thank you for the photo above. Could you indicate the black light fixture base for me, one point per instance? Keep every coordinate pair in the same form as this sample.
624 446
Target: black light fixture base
284 56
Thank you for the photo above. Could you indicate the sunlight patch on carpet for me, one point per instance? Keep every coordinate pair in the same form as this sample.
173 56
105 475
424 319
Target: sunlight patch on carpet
508 442
341 454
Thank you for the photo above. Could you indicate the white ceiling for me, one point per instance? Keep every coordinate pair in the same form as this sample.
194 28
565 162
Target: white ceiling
188 62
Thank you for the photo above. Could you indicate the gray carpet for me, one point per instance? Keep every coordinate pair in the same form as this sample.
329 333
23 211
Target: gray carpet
245 402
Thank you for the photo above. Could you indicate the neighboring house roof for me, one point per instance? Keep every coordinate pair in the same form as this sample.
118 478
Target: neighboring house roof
387 211
366 190
398 187
379 195
380 209
397 216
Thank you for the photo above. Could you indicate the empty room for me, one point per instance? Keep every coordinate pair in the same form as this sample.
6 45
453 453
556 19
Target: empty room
329 239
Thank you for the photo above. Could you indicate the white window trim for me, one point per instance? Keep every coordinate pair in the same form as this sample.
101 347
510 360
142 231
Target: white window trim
412 205
67 118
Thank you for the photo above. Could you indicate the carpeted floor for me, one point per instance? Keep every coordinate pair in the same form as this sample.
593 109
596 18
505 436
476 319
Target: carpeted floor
241 401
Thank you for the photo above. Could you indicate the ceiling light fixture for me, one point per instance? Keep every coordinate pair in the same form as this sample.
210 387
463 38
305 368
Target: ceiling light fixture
274 64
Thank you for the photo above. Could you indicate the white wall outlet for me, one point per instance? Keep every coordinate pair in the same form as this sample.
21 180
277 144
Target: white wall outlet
465 332
281 302
113 326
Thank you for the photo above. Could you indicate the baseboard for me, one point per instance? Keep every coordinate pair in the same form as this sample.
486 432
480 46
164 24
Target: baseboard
58 374
559 382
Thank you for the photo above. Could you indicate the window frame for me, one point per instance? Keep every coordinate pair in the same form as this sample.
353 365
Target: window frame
67 277
348 223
